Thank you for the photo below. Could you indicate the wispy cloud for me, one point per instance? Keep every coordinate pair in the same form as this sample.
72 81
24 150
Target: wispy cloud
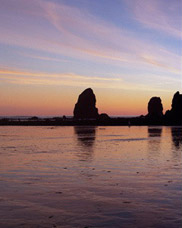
75 33
70 79
45 58
59 76
154 61
163 16
114 43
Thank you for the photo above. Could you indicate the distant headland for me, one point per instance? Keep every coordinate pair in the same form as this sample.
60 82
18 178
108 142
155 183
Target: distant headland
86 113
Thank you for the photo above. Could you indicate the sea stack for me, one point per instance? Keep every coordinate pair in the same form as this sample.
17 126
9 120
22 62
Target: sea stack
175 114
85 107
177 105
155 108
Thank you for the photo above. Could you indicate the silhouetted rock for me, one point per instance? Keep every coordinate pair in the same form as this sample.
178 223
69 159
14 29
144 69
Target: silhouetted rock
64 117
155 108
104 117
35 118
155 112
175 114
85 106
177 105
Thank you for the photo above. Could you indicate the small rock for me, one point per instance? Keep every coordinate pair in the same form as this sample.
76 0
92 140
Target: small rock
58 192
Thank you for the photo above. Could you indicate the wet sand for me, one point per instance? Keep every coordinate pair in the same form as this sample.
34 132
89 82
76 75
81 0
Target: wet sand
90 177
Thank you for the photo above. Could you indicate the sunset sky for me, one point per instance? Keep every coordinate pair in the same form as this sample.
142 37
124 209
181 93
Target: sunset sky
51 50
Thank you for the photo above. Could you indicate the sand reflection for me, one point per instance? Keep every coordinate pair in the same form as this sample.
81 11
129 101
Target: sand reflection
90 177
176 135
154 141
154 132
86 137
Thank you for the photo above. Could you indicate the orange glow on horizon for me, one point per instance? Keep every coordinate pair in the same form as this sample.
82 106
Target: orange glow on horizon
41 103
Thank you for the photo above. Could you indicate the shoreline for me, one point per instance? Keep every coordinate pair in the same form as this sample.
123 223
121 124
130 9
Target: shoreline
122 121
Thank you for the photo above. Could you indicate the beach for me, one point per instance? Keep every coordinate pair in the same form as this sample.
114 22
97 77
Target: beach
90 176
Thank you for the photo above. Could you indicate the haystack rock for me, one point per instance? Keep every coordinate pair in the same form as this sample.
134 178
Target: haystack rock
155 108
85 106
177 105
176 112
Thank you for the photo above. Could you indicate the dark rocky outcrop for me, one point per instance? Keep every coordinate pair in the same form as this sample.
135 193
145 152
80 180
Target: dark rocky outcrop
34 118
175 114
155 112
85 107
155 108
104 117
177 105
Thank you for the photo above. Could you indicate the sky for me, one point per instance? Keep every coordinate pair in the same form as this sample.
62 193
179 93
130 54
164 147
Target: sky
127 51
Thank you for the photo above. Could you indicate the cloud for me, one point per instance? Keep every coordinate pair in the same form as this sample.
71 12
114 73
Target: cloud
45 58
114 43
163 16
72 80
69 79
58 76
153 60
69 31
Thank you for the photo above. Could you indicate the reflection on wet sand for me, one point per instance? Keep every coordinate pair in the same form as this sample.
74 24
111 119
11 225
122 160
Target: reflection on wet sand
90 177
154 132
86 137
176 134
154 141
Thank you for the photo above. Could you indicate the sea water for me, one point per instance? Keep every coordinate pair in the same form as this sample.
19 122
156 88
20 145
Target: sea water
90 177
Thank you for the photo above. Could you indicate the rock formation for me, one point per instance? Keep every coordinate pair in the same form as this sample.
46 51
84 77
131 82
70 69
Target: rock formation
104 117
155 108
175 114
85 106
177 105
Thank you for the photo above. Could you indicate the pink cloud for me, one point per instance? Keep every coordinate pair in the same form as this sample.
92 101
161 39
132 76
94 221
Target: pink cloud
19 76
58 28
163 16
